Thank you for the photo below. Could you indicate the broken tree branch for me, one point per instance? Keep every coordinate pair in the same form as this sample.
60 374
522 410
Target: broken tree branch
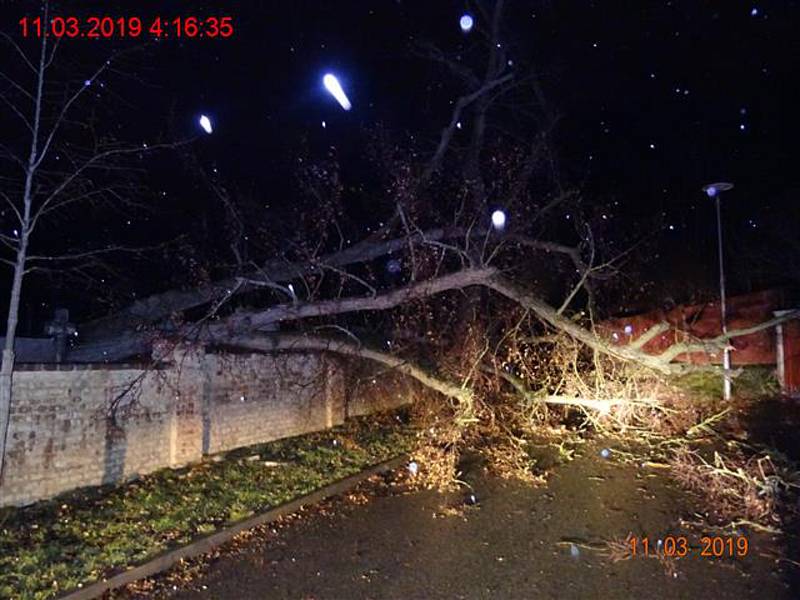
300 343
160 306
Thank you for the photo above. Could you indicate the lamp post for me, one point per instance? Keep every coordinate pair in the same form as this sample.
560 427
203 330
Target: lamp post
713 190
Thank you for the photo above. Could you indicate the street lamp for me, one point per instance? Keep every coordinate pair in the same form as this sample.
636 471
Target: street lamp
713 190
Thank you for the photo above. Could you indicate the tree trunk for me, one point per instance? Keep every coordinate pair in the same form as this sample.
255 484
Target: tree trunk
20 265
6 371
7 367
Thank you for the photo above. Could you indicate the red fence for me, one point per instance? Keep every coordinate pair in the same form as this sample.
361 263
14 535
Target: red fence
702 321
789 370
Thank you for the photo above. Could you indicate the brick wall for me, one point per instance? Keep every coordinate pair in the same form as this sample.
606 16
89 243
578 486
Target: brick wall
61 436
372 389
258 397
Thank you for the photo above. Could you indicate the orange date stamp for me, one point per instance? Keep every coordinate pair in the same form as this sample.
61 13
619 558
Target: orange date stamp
678 546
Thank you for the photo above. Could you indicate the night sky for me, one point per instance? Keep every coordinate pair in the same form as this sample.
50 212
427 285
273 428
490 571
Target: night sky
655 100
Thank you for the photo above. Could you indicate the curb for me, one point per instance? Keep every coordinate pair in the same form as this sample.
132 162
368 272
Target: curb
207 543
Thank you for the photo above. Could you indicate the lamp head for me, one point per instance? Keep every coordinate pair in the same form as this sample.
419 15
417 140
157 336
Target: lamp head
712 189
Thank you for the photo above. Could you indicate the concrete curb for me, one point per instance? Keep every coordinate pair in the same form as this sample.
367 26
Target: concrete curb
205 544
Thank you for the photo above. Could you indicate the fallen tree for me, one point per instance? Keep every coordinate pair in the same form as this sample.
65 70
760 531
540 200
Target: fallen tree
481 258
241 322
157 307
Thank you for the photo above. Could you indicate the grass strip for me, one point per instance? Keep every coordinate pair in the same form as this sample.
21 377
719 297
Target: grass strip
84 535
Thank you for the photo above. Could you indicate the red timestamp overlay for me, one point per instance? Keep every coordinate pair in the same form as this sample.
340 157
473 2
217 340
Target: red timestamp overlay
108 27
678 546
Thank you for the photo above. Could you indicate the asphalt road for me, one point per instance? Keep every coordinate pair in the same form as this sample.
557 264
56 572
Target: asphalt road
519 542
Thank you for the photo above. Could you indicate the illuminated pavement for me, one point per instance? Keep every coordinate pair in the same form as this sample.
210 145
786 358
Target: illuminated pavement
516 544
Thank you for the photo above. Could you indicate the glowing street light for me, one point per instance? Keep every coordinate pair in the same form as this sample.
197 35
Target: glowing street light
713 190
205 123
333 86
498 219
466 22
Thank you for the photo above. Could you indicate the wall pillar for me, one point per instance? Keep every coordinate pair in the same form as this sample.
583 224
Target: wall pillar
187 381
335 401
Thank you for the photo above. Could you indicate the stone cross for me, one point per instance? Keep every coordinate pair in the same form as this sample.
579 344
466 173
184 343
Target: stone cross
60 328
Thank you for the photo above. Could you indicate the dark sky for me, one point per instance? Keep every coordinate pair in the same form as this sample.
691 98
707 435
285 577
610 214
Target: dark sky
656 98
654 95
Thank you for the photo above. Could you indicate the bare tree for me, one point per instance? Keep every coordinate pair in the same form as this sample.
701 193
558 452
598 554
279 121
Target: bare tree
54 162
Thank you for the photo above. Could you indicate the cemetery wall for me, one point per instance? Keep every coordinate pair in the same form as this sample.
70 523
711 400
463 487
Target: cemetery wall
86 425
